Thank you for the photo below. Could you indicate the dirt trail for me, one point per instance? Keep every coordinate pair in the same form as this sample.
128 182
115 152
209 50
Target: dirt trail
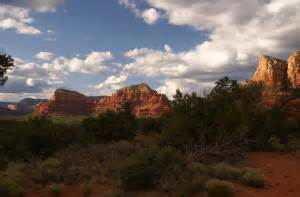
282 172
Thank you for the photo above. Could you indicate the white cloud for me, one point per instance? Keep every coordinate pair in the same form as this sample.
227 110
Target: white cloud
29 78
30 82
150 16
170 86
46 56
17 18
111 84
93 63
238 31
38 5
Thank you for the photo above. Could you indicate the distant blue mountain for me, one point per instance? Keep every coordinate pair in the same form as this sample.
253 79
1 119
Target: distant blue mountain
23 107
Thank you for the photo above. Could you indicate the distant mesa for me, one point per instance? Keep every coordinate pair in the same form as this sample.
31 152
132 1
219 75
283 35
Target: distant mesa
144 101
25 106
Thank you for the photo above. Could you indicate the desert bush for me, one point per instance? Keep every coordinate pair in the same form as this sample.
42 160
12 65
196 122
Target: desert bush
168 160
111 126
251 177
218 188
114 193
9 187
47 171
111 151
199 169
149 125
226 171
143 169
55 190
138 171
275 144
86 188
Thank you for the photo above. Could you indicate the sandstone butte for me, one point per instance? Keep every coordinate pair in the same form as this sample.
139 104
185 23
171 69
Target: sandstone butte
143 100
276 75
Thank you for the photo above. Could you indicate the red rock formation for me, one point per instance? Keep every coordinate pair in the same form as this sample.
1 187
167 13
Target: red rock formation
65 102
271 72
275 74
144 101
294 69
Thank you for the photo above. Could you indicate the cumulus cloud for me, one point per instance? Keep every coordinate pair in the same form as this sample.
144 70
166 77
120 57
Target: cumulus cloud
46 56
239 30
17 18
29 78
39 5
93 63
111 84
150 15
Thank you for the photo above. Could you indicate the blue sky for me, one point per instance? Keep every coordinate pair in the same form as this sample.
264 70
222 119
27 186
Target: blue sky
97 47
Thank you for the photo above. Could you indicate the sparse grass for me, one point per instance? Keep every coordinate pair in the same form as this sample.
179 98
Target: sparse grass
56 190
199 168
226 171
218 188
251 177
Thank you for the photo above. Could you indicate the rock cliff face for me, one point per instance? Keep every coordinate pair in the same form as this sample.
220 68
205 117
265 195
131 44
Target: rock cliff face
294 69
271 72
275 75
144 101
65 102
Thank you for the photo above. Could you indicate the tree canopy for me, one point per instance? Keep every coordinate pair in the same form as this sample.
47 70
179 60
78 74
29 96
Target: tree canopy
6 63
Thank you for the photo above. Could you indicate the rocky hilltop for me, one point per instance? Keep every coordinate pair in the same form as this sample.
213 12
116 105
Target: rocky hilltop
294 69
66 102
272 72
280 79
276 73
144 101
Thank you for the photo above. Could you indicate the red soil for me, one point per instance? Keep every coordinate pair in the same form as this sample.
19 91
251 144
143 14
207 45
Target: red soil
282 172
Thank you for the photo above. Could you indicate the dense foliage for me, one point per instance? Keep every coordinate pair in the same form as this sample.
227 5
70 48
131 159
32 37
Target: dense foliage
6 63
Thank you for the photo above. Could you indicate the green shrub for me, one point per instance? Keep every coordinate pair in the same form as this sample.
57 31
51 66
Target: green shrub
48 171
9 188
143 169
55 190
169 160
138 171
226 171
86 189
218 188
275 144
252 178
199 168
192 185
